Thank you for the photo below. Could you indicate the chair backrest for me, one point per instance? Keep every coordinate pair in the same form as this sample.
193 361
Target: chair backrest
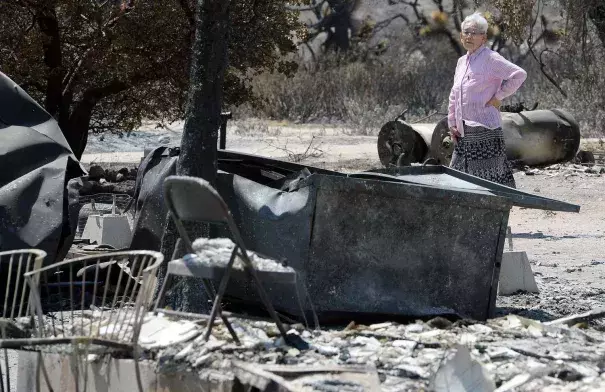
103 297
194 199
13 264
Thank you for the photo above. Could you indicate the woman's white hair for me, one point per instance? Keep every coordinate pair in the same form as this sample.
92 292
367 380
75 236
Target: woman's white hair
478 20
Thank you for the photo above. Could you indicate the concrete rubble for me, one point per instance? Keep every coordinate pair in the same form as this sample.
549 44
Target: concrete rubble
510 352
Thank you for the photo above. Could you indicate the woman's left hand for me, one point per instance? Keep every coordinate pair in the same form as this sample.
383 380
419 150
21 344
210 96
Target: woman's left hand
494 102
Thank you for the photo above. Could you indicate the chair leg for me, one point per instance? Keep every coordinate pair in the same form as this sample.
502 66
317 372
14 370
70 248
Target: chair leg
265 298
219 295
160 297
210 292
229 327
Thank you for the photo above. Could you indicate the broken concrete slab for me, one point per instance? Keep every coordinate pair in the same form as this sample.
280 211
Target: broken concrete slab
516 274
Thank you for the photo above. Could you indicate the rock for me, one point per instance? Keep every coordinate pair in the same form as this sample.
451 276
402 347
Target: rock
327 350
440 323
500 353
86 187
96 172
375 327
414 328
202 360
480 328
593 170
370 342
110 175
411 371
584 156
409 345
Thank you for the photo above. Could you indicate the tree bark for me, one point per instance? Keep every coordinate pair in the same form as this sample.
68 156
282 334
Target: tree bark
46 17
597 15
76 127
198 156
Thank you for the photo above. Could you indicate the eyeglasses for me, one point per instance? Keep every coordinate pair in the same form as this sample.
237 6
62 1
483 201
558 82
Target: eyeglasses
472 33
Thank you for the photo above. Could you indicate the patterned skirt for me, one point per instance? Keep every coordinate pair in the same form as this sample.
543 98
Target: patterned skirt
482 153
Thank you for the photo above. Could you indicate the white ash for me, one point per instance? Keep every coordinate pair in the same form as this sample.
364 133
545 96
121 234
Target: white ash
407 358
117 325
566 170
217 251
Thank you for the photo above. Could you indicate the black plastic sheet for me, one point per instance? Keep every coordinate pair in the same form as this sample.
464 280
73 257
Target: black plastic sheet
37 164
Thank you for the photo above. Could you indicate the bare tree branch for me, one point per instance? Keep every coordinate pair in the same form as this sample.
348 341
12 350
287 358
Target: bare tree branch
313 7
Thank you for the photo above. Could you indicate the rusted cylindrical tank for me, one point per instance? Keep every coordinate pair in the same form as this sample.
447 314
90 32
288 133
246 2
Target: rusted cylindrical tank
400 144
533 138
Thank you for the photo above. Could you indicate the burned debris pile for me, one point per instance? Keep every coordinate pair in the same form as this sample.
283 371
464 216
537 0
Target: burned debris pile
515 353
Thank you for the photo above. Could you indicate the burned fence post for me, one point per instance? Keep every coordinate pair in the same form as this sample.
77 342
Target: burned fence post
225 116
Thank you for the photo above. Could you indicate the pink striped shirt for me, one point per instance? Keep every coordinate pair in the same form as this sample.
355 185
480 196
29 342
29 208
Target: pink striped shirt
480 77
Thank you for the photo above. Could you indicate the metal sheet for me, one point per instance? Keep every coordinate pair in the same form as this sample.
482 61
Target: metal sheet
402 249
447 178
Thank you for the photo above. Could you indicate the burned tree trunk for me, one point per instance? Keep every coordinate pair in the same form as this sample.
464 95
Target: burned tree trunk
198 155
209 60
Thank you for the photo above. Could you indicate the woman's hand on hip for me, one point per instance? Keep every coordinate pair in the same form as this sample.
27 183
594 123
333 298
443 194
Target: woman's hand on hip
494 102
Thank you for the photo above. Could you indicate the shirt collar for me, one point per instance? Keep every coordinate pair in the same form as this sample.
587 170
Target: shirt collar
476 53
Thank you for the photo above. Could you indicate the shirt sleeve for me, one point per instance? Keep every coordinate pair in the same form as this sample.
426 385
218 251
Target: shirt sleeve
512 76
451 109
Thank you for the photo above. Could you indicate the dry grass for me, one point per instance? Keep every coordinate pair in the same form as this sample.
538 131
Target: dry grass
593 145
364 95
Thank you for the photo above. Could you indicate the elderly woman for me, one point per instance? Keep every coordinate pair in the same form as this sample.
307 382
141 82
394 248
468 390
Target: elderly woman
483 79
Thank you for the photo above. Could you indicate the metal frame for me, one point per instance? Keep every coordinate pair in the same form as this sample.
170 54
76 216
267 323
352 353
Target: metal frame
64 330
143 265
33 259
217 214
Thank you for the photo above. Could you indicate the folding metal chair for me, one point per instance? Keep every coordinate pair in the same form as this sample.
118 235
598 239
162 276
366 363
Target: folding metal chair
15 304
193 199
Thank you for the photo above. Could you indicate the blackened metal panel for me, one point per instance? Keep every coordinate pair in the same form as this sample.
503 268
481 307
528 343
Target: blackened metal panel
274 223
446 178
387 248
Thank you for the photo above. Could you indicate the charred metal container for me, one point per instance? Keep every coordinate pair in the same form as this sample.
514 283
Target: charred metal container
413 241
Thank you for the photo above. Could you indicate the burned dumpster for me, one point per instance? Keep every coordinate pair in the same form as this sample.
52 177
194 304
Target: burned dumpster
414 241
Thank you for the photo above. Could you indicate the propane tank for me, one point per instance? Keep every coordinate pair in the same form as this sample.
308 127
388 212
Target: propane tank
401 144
533 138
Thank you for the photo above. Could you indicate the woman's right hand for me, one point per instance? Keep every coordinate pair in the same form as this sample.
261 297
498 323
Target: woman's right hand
454 134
